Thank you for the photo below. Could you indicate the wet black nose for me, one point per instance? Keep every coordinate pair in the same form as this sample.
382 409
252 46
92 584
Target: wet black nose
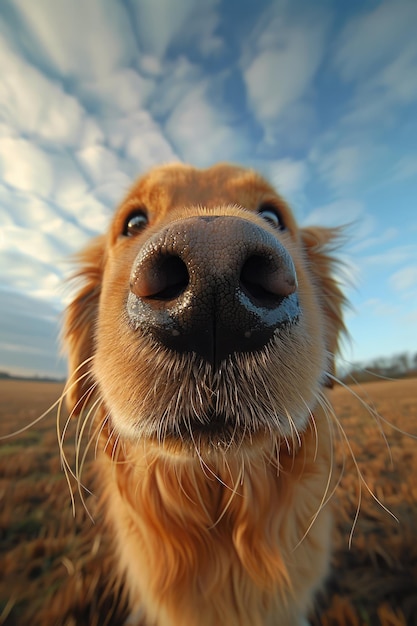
213 285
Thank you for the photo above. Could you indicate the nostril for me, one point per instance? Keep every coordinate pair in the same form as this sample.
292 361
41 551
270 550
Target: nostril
266 281
165 278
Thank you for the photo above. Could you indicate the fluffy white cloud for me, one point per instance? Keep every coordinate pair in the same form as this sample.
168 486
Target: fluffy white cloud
339 213
36 261
201 132
282 61
380 308
150 148
374 38
344 162
70 183
34 105
25 166
342 166
288 176
140 139
23 209
29 335
40 246
92 218
405 279
34 172
28 274
121 92
391 256
99 163
377 54
178 79
83 39
163 23
368 241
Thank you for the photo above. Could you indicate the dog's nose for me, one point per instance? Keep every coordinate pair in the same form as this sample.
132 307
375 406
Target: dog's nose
214 285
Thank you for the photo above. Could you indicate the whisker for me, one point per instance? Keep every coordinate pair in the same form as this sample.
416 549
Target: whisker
104 422
327 494
89 418
61 436
362 480
33 423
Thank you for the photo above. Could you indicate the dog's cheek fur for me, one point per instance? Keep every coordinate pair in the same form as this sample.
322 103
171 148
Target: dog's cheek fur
319 245
80 321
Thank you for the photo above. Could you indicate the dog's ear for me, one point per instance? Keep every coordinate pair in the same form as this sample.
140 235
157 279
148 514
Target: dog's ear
320 245
79 324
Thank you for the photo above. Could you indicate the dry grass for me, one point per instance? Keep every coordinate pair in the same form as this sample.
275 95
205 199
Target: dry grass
53 568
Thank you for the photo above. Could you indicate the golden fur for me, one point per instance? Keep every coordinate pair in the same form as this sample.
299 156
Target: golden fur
209 531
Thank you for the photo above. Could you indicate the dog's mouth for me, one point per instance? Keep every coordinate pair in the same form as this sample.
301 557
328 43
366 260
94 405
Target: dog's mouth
214 428
190 405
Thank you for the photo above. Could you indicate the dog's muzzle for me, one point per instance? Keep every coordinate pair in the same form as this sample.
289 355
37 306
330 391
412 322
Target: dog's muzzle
213 285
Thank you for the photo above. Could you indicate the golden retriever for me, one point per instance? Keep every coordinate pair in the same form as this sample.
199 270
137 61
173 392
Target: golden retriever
204 336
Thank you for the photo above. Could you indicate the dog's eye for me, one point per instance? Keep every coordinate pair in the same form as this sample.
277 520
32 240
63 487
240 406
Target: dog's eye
271 214
135 223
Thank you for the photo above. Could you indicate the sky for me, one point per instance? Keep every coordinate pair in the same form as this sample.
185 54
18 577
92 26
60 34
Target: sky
320 97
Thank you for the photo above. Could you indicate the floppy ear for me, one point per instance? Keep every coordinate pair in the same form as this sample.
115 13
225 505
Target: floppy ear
320 244
79 324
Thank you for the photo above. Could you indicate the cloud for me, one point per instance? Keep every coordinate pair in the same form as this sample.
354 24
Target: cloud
405 168
378 307
90 216
391 256
405 279
68 37
40 245
104 170
29 335
380 239
33 171
178 78
23 209
38 264
345 161
339 213
25 166
119 93
37 239
140 139
38 107
289 176
341 167
373 39
161 25
282 61
201 131
377 54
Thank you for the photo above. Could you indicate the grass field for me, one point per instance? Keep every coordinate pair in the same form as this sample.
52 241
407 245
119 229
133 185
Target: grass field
53 567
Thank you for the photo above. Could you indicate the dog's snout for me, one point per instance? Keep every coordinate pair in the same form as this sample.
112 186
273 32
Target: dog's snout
213 285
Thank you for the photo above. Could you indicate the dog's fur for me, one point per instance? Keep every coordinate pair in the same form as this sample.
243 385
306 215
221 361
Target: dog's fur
209 531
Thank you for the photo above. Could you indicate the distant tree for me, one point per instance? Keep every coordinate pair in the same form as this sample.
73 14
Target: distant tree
395 366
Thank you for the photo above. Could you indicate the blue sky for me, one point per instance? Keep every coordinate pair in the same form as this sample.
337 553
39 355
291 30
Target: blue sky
319 96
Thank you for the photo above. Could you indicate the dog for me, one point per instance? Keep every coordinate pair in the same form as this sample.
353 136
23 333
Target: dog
203 334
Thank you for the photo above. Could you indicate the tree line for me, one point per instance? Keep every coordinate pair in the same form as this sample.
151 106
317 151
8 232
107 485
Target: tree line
396 366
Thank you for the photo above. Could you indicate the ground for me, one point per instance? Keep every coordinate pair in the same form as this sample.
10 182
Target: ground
54 566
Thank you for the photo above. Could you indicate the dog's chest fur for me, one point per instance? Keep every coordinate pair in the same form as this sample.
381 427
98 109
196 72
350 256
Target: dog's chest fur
194 538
